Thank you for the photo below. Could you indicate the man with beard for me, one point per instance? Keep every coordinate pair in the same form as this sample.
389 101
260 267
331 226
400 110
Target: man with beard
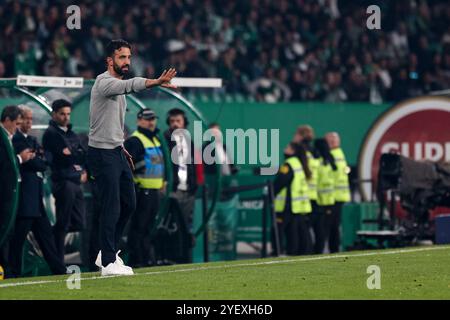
111 165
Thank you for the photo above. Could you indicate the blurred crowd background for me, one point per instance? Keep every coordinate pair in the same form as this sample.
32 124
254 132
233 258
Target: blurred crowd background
297 50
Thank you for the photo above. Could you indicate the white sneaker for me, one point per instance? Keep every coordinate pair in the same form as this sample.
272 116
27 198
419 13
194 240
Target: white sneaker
119 261
114 269
98 261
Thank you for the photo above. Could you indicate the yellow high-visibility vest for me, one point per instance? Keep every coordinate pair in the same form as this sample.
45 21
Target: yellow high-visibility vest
341 187
300 203
325 184
313 165
152 176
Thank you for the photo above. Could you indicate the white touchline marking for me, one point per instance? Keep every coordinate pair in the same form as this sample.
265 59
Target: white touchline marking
321 257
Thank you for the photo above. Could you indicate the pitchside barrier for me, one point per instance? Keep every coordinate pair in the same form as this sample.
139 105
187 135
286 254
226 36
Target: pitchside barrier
222 233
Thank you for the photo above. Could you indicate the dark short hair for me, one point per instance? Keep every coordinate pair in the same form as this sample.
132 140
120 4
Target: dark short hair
114 45
322 147
60 103
11 112
177 112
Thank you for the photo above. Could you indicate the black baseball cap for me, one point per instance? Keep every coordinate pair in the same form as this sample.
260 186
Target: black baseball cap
146 114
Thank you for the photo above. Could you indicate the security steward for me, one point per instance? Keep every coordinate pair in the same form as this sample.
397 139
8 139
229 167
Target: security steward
292 204
325 192
341 193
145 148
306 135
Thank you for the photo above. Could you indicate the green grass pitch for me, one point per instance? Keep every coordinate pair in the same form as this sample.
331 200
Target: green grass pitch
410 273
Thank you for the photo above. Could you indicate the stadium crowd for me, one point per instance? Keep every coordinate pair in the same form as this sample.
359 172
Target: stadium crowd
296 50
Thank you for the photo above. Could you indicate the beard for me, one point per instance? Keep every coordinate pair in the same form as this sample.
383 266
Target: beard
120 71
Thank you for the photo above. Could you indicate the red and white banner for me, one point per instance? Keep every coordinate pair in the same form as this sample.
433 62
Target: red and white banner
418 128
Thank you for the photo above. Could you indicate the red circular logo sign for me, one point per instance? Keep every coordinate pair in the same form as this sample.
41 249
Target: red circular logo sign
418 129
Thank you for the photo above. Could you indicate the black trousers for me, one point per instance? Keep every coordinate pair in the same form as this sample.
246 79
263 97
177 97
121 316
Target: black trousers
289 233
42 231
6 199
117 198
4 250
296 230
93 225
318 227
185 203
279 224
142 221
4 247
304 235
70 211
332 227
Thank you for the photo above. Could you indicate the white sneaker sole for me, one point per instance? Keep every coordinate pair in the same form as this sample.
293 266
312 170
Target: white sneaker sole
109 274
123 272
98 261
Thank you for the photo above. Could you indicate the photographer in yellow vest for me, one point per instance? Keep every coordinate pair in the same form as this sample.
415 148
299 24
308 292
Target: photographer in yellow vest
292 205
341 191
145 148
325 193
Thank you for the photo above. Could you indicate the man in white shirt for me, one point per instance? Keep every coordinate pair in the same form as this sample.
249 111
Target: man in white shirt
184 179
10 120
218 151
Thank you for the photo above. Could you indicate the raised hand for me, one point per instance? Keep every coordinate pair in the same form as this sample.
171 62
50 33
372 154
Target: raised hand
166 77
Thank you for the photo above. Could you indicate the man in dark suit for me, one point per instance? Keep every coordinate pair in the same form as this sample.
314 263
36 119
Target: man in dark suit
9 162
31 215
